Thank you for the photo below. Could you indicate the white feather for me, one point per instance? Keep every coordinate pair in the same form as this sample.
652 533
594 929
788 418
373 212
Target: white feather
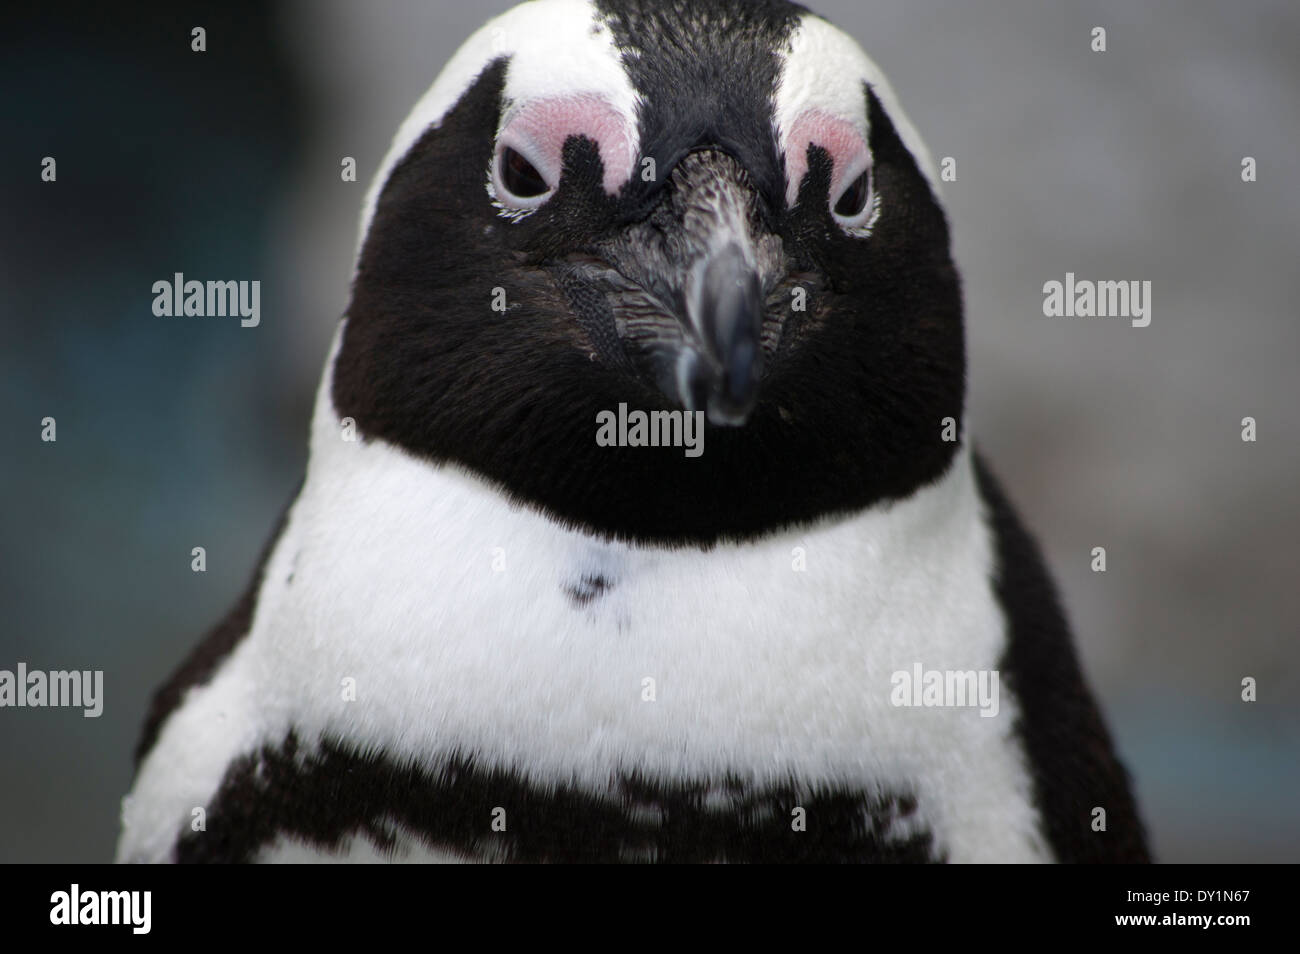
556 48
824 70
759 669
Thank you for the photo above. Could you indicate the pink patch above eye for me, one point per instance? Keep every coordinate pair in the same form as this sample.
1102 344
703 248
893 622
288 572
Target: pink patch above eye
839 137
539 129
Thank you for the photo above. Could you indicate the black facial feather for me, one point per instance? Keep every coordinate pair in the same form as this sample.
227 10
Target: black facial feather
708 71
849 412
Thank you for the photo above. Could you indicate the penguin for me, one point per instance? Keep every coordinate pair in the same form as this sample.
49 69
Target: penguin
485 633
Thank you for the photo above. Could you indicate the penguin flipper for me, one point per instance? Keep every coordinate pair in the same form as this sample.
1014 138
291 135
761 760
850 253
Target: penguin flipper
218 643
1071 756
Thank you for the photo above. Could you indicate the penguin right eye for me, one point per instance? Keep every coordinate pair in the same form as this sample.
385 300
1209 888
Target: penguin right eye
519 184
520 177
529 156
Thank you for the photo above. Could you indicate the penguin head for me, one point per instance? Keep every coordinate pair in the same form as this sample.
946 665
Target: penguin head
714 208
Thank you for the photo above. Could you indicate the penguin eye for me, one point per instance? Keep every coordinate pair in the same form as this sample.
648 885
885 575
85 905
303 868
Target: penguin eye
517 183
853 200
520 176
858 206
528 157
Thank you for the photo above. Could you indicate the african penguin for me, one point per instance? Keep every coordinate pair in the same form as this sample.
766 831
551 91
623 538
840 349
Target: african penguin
483 634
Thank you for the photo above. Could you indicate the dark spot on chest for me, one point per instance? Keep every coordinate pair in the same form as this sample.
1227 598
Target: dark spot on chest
587 589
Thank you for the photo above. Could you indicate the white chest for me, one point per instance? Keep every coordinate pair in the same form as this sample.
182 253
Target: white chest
426 615
412 609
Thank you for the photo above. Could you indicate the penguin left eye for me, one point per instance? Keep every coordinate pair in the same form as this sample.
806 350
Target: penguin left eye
856 207
853 200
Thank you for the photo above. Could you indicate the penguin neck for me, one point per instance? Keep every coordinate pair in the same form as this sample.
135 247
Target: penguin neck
427 580
762 482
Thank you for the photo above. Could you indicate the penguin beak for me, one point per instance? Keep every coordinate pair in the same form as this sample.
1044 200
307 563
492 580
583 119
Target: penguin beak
686 289
720 361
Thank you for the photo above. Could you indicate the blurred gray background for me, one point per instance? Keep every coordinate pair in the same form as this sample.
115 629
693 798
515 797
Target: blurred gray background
1115 165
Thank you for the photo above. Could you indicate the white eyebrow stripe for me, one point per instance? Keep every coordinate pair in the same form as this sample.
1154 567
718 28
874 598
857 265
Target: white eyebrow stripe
556 48
824 69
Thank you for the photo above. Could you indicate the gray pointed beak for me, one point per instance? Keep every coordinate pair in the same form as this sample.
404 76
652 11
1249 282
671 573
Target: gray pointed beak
686 289
720 371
